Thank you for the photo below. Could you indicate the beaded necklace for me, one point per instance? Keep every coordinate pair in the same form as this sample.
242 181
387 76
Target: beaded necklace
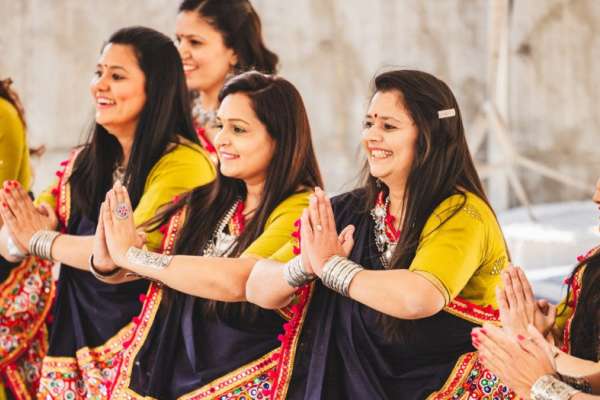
386 236
222 243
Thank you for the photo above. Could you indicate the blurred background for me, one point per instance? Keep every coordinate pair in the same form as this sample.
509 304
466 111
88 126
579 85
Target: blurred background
525 73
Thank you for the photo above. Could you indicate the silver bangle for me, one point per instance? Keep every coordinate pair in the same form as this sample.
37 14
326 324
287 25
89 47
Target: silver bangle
13 249
338 273
114 276
294 273
40 244
548 387
148 259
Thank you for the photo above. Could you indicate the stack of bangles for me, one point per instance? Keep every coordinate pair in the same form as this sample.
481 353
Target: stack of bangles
558 387
40 244
338 273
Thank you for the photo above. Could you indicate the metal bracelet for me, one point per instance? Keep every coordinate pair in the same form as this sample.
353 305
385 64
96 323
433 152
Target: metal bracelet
40 244
338 274
580 384
13 249
148 259
115 276
548 387
294 273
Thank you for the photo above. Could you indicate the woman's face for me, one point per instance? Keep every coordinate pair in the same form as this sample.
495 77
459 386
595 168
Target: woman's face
389 138
244 146
118 89
206 59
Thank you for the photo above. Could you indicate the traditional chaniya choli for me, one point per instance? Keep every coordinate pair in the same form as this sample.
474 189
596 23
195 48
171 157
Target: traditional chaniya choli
334 347
180 352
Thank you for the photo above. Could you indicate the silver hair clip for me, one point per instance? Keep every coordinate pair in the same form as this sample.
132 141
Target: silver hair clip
450 112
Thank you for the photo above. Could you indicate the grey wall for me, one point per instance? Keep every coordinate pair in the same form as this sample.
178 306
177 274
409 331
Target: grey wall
331 49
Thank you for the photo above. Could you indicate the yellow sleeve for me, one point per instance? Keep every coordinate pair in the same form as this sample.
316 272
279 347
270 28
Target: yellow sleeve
286 252
279 228
14 160
182 169
449 255
46 195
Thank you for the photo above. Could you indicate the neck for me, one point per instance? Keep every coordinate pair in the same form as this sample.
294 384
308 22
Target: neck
126 143
254 192
209 99
396 195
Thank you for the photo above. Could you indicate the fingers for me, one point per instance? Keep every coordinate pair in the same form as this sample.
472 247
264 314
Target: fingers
347 239
508 289
517 288
313 214
327 223
502 300
306 231
543 306
527 289
493 340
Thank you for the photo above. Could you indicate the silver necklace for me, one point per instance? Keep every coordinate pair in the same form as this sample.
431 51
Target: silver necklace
201 116
221 244
384 245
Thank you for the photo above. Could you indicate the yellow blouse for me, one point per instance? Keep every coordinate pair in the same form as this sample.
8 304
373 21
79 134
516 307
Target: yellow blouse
278 230
183 168
465 254
14 153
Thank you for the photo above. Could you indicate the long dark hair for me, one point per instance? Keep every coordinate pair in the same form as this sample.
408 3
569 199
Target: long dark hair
8 94
585 326
164 119
293 168
442 165
240 26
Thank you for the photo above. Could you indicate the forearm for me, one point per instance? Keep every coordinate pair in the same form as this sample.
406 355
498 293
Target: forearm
73 250
566 364
399 293
267 287
215 278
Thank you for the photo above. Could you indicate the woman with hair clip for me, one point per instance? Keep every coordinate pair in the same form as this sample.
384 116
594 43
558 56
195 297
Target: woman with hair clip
397 294
574 334
143 137
217 39
198 337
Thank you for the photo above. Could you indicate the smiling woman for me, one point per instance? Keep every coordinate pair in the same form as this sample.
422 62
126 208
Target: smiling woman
143 138
199 338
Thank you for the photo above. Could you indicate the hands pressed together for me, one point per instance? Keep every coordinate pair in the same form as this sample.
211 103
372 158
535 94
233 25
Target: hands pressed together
21 217
319 239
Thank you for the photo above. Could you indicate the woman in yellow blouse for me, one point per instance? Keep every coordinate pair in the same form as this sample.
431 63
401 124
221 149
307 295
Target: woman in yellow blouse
143 137
411 273
199 338
14 153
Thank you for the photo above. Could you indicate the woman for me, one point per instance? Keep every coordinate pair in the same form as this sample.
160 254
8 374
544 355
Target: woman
537 376
217 39
391 318
143 137
14 166
198 338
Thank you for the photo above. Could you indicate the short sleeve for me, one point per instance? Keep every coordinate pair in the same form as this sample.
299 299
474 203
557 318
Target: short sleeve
179 171
47 196
285 253
449 255
14 160
279 229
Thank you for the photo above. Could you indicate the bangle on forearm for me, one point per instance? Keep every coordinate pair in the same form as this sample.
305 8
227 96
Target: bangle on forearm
148 259
13 249
114 276
40 244
338 273
578 383
294 273
548 387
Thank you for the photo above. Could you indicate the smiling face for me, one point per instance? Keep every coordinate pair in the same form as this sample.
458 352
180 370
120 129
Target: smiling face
244 146
206 59
118 89
389 138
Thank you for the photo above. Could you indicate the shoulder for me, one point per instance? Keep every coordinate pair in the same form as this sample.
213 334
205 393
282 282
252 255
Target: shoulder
7 110
464 205
185 155
351 199
10 118
292 204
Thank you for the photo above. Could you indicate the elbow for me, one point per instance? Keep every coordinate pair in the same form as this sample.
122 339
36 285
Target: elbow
418 307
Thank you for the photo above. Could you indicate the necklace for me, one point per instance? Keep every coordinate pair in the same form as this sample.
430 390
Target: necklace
222 243
386 236
201 116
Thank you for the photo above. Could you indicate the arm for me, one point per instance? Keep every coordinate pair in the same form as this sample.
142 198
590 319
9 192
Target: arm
12 143
216 278
407 294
